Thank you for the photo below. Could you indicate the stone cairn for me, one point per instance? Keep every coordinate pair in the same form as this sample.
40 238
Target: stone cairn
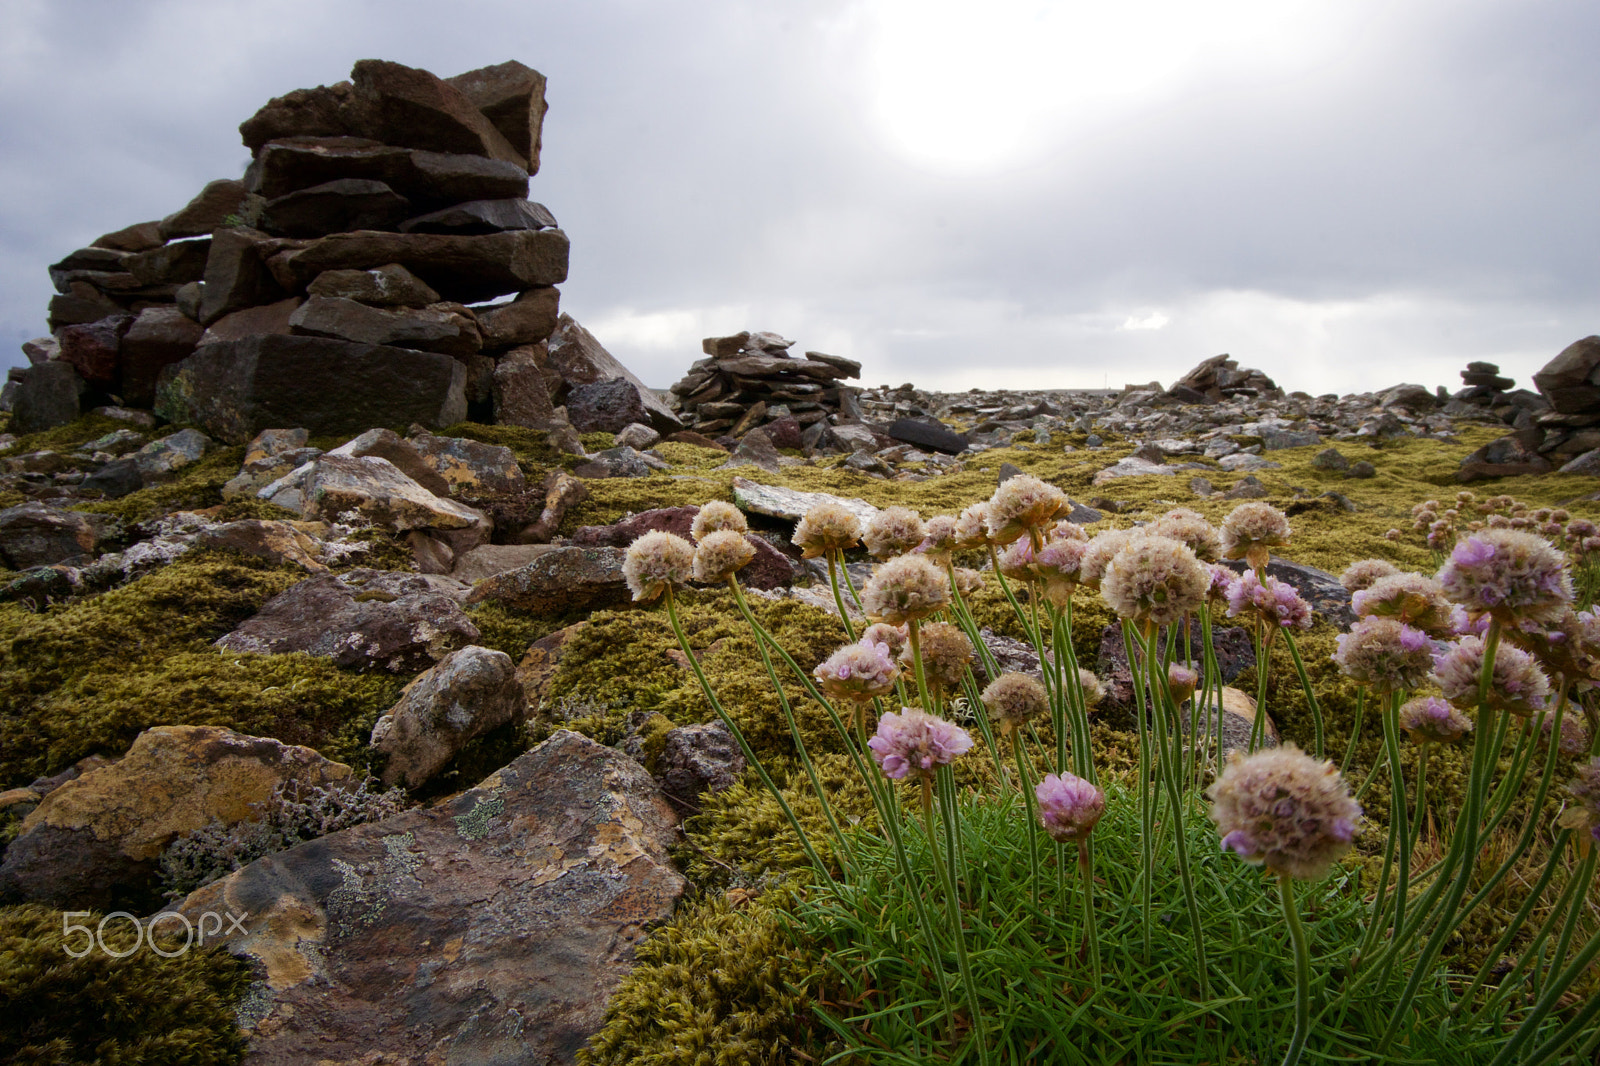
750 380
343 282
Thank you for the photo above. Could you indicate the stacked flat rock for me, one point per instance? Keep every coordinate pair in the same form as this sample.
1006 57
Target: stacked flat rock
1571 384
344 281
1219 378
750 379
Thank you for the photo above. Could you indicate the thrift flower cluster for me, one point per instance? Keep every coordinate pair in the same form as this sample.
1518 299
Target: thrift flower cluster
1285 809
1069 806
915 742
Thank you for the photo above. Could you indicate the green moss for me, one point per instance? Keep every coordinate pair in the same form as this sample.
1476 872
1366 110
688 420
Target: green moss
240 508
68 437
530 446
197 486
507 630
88 677
99 1009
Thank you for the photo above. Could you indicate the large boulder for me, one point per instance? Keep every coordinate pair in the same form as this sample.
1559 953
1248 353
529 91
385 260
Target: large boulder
469 465
161 335
236 389
521 389
491 928
318 112
471 691
237 275
94 841
36 534
410 107
511 96
605 406
373 619
560 581
92 348
468 268
1571 381
48 395
375 488
580 359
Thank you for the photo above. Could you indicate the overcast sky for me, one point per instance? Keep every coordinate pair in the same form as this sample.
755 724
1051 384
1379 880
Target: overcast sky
1000 194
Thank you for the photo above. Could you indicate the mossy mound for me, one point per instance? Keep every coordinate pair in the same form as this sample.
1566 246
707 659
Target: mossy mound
142 1008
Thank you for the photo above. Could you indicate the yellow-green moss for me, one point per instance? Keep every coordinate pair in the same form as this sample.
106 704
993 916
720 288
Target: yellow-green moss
68 437
142 1008
196 486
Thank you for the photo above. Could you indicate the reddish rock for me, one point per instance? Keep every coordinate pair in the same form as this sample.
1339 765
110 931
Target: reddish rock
528 319
411 107
318 112
160 336
140 237
206 212
580 359
92 349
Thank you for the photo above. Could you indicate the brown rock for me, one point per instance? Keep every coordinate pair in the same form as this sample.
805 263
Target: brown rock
580 359
469 692
171 264
487 560
318 112
1509 456
333 207
1571 381
410 107
94 841
529 319
387 444
511 96
236 274
49 396
470 466
159 336
483 216
521 391
92 349
36 534
624 531
390 285
562 492
538 667
490 928
206 212
139 237
253 322
427 329
560 581
465 268
81 303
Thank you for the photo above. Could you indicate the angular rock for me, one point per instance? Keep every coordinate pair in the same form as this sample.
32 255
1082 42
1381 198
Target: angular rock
605 406
491 928
696 759
425 329
236 274
580 359
92 349
206 212
412 108
1330 459
390 285
928 433
469 692
469 269
778 502
511 96
469 465
637 435
1508 456
754 450
158 337
374 487
1411 397
333 207
1238 714
1274 439
36 534
483 216
406 457
614 462
361 619
47 397
41 350
725 347
1234 647
560 581
487 560
624 531
452 179
521 391
83 303
850 367
94 841
562 492
1132 466
139 237
1571 381
160 459
1248 487
1587 464
1244 461
235 389
528 319
318 112
172 264
1362 469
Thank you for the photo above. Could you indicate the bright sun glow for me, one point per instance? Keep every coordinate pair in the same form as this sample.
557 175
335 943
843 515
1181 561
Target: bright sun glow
969 87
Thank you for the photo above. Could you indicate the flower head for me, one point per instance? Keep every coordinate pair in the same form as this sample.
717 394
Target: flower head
1222 582
1093 690
1574 732
1285 809
1192 529
968 580
656 560
1057 565
827 527
972 526
1015 699
1410 598
1429 719
1363 572
717 515
946 654
1069 806
938 538
1155 579
1509 574
1463 622
914 742
893 531
1389 656
1275 602
721 555
858 672
1016 561
905 589
1251 531
1585 789
1099 552
883 633
1181 682
1518 686
1021 504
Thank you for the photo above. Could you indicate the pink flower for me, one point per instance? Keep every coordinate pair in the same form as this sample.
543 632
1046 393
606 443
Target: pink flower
1285 809
916 742
1429 718
858 672
1508 573
1274 601
1069 806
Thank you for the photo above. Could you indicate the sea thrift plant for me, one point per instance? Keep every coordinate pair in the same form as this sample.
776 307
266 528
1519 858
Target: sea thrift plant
905 589
939 539
1509 574
1363 572
1251 531
720 555
1057 564
1099 552
655 561
915 742
1282 808
1417 601
717 516
1181 683
946 655
972 527
1191 528
1015 699
1517 686
893 531
1386 655
1156 580
1069 807
1277 603
1431 720
859 672
1584 814
1023 504
826 528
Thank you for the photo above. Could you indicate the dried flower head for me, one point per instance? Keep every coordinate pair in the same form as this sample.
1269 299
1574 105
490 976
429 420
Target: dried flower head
1410 598
883 633
1015 699
893 531
1518 686
905 589
1099 552
1285 809
1363 572
915 742
939 539
1389 656
972 526
715 516
1509 574
1065 530
1016 561
1069 806
1057 565
1191 528
968 581
946 654
1574 732
1222 580
858 672
721 555
1021 504
1429 719
1585 811
827 527
1093 690
1181 682
1156 580
1251 531
1277 603
655 561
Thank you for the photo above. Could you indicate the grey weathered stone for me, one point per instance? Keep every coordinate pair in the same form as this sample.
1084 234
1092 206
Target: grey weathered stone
1132 466
1330 459
927 433
235 389
470 466
252 322
779 502
160 336
36 534
176 263
427 329
469 692
491 928
637 435
487 560
605 406
614 462
1587 464
1571 381
413 108
755 449
328 487
559 581
160 459
47 397
696 759
236 273
319 112
1242 461
406 457
206 212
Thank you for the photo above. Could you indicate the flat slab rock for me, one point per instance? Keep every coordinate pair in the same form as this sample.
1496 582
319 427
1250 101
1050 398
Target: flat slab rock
489 929
561 580
779 502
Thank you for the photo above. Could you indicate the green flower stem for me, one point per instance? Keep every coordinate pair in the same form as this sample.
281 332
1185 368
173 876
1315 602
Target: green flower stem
1398 828
914 631
1030 806
924 920
947 797
1016 607
1422 797
969 625
1517 920
838 600
1355 730
1305 683
738 735
1258 725
1302 973
1212 691
969 688
1554 1046
1146 801
1169 765
1091 934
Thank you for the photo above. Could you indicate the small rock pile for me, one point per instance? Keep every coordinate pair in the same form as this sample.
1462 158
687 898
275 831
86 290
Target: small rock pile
341 282
1219 378
1571 427
750 380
